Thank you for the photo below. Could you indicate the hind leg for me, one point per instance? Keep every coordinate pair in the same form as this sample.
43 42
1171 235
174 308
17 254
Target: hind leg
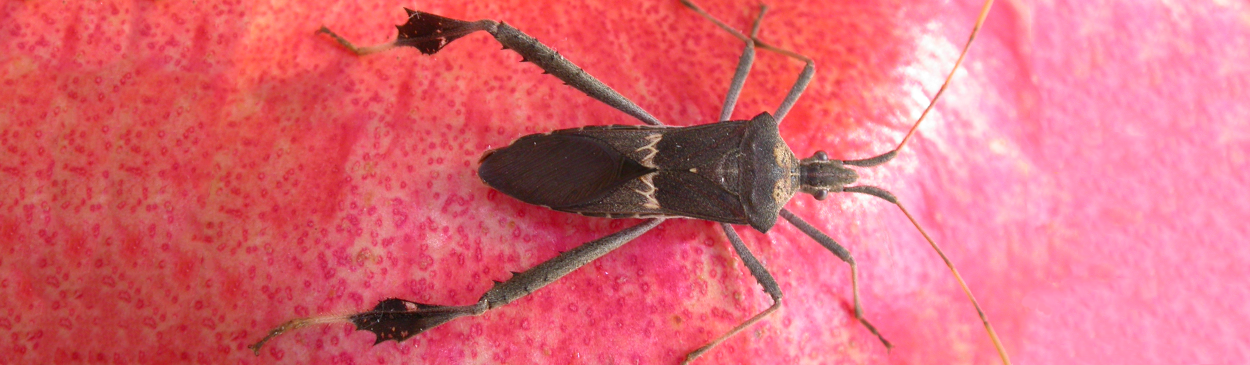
429 33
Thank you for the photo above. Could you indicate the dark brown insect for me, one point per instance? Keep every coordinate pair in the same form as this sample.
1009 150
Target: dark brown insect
733 172
738 172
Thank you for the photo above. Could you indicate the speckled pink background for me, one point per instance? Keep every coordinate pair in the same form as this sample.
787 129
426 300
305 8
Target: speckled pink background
178 177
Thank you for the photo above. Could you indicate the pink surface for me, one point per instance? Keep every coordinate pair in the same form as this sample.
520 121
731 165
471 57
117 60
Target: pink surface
178 178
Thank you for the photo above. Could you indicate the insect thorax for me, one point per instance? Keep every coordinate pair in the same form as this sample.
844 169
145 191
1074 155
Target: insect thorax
770 172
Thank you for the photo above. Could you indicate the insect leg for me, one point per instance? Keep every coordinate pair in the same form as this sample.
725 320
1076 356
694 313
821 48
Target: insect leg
843 254
398 319
748 56
887 196
429 33
761 275
526 282
805 77
985 321
744 62
534 51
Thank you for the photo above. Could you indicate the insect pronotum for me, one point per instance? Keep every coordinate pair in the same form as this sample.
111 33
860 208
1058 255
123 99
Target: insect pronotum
732 172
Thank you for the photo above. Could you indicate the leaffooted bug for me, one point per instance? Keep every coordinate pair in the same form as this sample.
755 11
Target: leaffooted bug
732 172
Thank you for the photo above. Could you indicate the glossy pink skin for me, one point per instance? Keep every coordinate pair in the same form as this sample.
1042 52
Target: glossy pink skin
180 178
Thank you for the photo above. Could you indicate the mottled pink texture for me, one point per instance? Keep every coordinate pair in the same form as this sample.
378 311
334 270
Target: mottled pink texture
176 178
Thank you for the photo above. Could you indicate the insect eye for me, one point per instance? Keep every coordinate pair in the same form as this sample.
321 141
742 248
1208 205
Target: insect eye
821 194
821 156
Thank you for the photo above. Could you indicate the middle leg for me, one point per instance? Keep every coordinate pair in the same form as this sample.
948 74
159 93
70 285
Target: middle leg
744 62
761 275
748 57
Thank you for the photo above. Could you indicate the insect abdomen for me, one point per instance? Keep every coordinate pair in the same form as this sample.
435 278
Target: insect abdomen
558 170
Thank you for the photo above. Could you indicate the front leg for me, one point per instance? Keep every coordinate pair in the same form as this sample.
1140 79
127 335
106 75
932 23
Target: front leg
429 33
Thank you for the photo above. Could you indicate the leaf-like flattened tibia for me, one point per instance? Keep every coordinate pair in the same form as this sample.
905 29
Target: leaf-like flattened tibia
429 33
398 319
